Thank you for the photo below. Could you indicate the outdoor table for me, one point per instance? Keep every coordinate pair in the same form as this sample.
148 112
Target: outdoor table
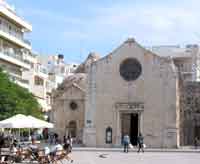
4 150
5 154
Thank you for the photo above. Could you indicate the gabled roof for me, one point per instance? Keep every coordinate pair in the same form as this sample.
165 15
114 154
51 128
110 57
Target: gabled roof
76 86
76 80
92 57
128 41
62 92
131 41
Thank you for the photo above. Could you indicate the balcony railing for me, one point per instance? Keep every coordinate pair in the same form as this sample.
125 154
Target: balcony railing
15 55
22 82
14 34
27 41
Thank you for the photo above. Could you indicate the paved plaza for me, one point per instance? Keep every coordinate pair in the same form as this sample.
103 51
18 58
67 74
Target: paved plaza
89 157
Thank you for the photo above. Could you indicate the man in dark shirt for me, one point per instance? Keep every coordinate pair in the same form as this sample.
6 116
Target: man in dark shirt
140 142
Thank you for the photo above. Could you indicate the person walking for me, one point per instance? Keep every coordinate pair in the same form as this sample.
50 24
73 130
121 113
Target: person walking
140 142
71 142
67 144
196 140
55 138
64 139
126 141
51 138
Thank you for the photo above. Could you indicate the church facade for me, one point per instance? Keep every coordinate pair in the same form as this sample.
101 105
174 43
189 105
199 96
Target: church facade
129 91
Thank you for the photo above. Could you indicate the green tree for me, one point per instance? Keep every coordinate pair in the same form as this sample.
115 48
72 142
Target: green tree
16 100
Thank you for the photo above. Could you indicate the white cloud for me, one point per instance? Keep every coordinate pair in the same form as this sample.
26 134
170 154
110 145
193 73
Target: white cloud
162 23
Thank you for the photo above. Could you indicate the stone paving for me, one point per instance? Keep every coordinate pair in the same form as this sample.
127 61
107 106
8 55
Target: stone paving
91 157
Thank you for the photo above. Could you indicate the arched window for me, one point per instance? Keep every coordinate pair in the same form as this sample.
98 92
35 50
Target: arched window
72 128
108 135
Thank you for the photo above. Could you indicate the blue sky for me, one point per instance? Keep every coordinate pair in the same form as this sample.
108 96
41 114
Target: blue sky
75 28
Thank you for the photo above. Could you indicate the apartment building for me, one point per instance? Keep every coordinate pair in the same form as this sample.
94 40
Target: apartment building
58 69
40 74
17 58
186 59
46 73
15 51
39 83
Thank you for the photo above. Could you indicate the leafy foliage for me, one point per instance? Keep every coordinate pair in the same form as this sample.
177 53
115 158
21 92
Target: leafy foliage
16 100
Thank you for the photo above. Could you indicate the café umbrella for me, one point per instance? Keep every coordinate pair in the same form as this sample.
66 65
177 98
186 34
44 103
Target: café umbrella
20 121
40 123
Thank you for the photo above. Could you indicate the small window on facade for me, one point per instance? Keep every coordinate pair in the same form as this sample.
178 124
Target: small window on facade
38 80
109 135
188 100
73 105
89 121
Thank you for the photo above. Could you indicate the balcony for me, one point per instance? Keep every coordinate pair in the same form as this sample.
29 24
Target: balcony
14 37
18 80
28 57
23 83
4 10
41 72
14 57
27 41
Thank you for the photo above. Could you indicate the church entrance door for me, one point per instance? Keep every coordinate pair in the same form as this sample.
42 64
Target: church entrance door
129 125
134 129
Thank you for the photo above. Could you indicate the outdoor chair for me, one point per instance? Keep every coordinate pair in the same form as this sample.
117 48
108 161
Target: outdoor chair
28 155
59 156
8 158
42 157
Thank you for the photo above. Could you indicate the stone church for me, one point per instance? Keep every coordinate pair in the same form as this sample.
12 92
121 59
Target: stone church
129 91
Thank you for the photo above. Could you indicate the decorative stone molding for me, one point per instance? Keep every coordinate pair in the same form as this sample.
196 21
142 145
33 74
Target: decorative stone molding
130 105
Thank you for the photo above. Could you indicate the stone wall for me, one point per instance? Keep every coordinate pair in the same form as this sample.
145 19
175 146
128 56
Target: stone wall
68 107
190 112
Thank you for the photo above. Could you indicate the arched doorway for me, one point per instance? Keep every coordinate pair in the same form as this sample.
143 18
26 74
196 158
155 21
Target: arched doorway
72 128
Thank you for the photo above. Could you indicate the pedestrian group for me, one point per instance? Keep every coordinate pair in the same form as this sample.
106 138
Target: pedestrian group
127 144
